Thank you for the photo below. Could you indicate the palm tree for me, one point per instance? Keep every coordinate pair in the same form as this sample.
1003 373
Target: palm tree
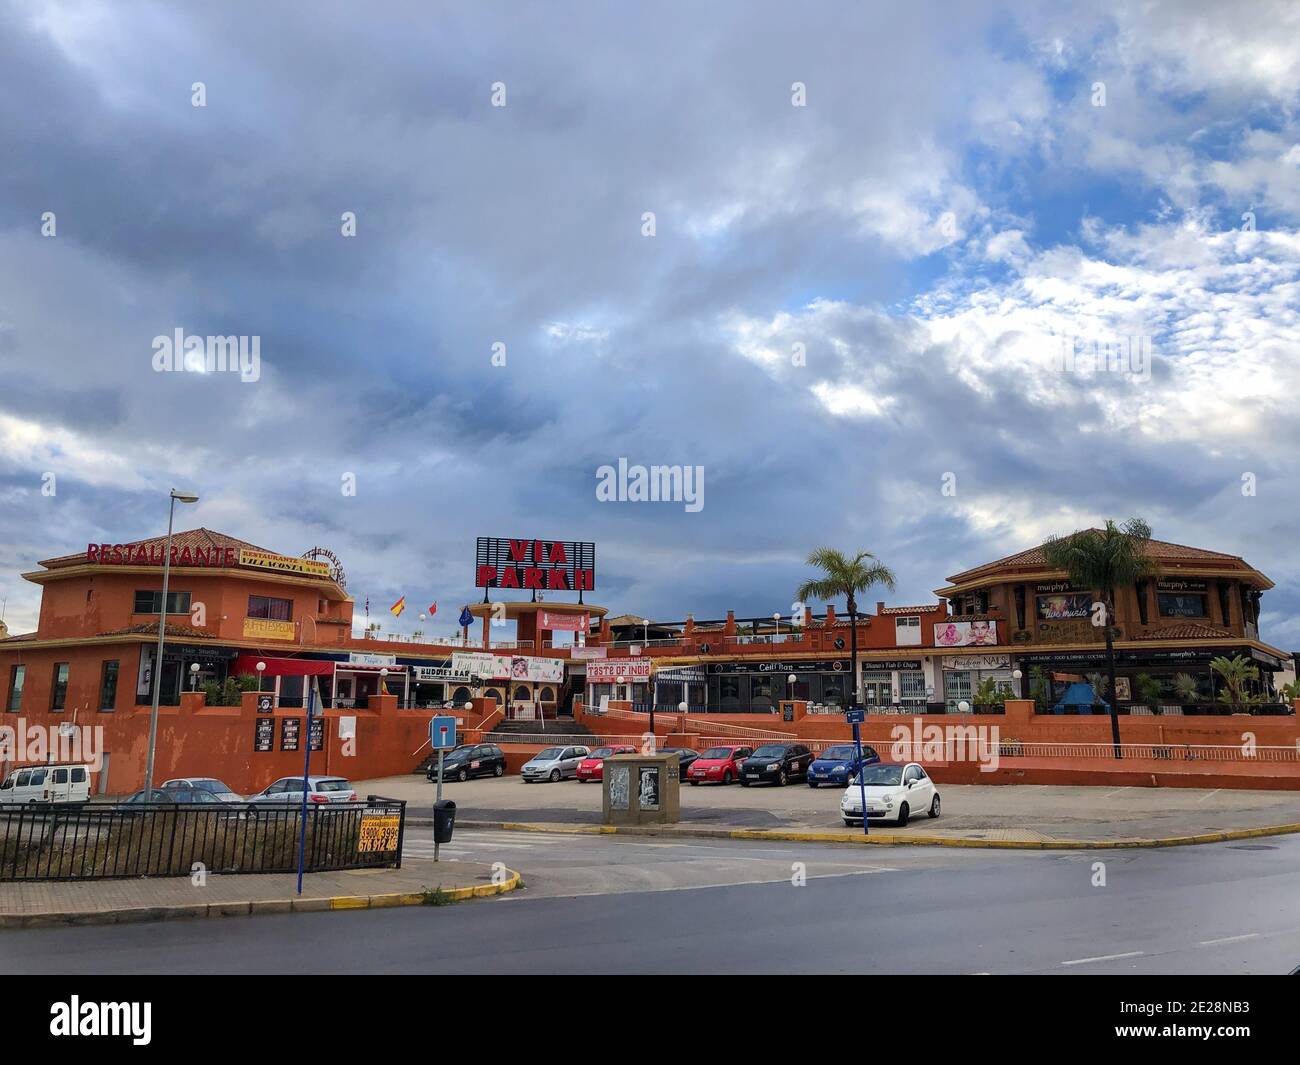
844 576
1235 671
1104 560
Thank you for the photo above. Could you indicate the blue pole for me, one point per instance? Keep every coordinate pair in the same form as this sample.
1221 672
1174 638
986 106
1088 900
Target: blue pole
862 780
306 774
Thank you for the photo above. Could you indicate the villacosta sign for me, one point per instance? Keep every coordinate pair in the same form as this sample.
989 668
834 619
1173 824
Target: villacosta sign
551 565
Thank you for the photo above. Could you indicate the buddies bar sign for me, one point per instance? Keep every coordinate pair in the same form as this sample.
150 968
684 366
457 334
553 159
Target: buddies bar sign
551 565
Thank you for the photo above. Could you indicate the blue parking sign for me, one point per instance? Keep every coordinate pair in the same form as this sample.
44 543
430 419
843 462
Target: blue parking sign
855 716
442 733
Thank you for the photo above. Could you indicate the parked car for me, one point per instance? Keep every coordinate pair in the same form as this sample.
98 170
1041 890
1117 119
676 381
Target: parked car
167 796
208 784
685 758
470 760
895 791
319 790
554 763
775 763
718 765
47 783
839 764
591 767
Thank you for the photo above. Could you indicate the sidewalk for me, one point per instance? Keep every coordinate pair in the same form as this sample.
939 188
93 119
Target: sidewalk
28 905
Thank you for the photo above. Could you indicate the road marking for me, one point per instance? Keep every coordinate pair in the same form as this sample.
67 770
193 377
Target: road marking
1210 796
1117 791
1105 957
694 887
1227 939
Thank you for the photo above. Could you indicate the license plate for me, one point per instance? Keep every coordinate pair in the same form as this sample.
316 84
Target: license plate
752 776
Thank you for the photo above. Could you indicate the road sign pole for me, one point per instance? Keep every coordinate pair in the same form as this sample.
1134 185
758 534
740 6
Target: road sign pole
435 830
856 715
306 783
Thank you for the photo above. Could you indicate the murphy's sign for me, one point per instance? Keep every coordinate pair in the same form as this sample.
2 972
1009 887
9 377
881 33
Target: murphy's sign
550 565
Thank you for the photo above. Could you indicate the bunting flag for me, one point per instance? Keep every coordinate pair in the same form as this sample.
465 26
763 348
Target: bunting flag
433 608
397 608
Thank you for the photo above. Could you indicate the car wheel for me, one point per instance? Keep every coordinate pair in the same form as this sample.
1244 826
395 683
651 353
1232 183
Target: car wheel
726 776
847 823
934 806
695 783
782 779
903 815
812 783
744 783
555 776
499 771
463 775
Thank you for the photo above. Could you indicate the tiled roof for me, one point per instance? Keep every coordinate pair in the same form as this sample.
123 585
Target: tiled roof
192 538
183 631
929 608
1190 630
1158 550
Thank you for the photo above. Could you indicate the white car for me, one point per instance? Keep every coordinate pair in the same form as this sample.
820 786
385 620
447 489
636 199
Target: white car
208 784
895 791
554 763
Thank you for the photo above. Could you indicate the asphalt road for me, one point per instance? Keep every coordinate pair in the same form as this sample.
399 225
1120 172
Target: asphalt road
600 904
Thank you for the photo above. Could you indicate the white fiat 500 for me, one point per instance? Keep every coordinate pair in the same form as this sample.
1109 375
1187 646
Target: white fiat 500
895 791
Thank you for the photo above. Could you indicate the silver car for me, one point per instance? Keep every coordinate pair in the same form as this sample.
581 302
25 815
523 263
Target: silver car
319 790
209 784
554 763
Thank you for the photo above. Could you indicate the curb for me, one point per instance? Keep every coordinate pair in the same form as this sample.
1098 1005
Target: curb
138 914
882 838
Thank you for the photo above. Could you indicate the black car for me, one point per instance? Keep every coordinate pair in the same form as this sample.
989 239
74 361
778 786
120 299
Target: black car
776 763
685 757
470 760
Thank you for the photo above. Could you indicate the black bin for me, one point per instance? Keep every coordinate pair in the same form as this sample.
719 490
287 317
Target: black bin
444 820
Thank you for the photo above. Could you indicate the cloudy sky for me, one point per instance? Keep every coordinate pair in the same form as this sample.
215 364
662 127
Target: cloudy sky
851 313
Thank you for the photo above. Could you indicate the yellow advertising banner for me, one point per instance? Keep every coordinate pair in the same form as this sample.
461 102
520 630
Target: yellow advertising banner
378 833
266 629
308 567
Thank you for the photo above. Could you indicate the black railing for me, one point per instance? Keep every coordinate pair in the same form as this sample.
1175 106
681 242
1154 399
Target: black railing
93 841
1171 709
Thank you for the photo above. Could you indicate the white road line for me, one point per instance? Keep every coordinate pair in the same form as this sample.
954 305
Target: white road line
1105 957
519 897
1210 796
1117 791
1227 939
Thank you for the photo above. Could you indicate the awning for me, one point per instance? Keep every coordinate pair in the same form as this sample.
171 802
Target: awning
284 667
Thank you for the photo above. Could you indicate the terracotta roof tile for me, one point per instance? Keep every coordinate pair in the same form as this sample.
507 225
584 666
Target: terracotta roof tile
1188 631
183 631
192 538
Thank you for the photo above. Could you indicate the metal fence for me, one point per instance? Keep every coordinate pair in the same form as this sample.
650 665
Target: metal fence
91 841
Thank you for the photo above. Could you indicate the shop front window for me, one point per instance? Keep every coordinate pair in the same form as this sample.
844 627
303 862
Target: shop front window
912 688
760 692
956 687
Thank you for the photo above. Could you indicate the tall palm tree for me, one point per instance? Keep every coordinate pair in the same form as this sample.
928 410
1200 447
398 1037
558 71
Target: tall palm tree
1104 560
844 576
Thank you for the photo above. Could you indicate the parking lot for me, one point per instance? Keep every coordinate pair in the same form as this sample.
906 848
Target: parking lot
1026 812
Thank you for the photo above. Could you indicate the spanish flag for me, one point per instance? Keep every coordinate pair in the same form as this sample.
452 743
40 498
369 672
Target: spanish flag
397 608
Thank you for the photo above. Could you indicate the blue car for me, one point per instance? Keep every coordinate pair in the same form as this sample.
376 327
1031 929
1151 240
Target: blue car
839 764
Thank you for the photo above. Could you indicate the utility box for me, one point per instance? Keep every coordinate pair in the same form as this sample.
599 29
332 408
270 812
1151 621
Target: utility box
642 789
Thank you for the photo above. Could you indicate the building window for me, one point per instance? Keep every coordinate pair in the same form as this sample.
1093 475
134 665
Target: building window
17 676
59 690
956 688
912 687
1181 606
151 602
264 606
108 687
907 632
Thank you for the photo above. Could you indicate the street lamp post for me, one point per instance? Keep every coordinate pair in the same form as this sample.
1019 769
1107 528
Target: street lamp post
776 620
182 497
791 680
194 676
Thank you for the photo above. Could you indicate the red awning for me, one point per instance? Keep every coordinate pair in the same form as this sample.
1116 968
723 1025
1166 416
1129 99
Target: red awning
283 667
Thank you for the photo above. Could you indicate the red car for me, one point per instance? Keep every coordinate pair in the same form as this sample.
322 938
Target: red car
590 767
718 765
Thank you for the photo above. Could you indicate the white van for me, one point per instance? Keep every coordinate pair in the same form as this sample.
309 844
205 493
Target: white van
47 783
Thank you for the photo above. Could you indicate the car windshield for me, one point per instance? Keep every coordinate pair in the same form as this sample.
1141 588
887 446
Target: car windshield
837 753
717 752
333 785
213 786
549 754
601 752
880 775
771 750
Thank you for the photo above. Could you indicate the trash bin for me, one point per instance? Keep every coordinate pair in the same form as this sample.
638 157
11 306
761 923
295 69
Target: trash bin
444 820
